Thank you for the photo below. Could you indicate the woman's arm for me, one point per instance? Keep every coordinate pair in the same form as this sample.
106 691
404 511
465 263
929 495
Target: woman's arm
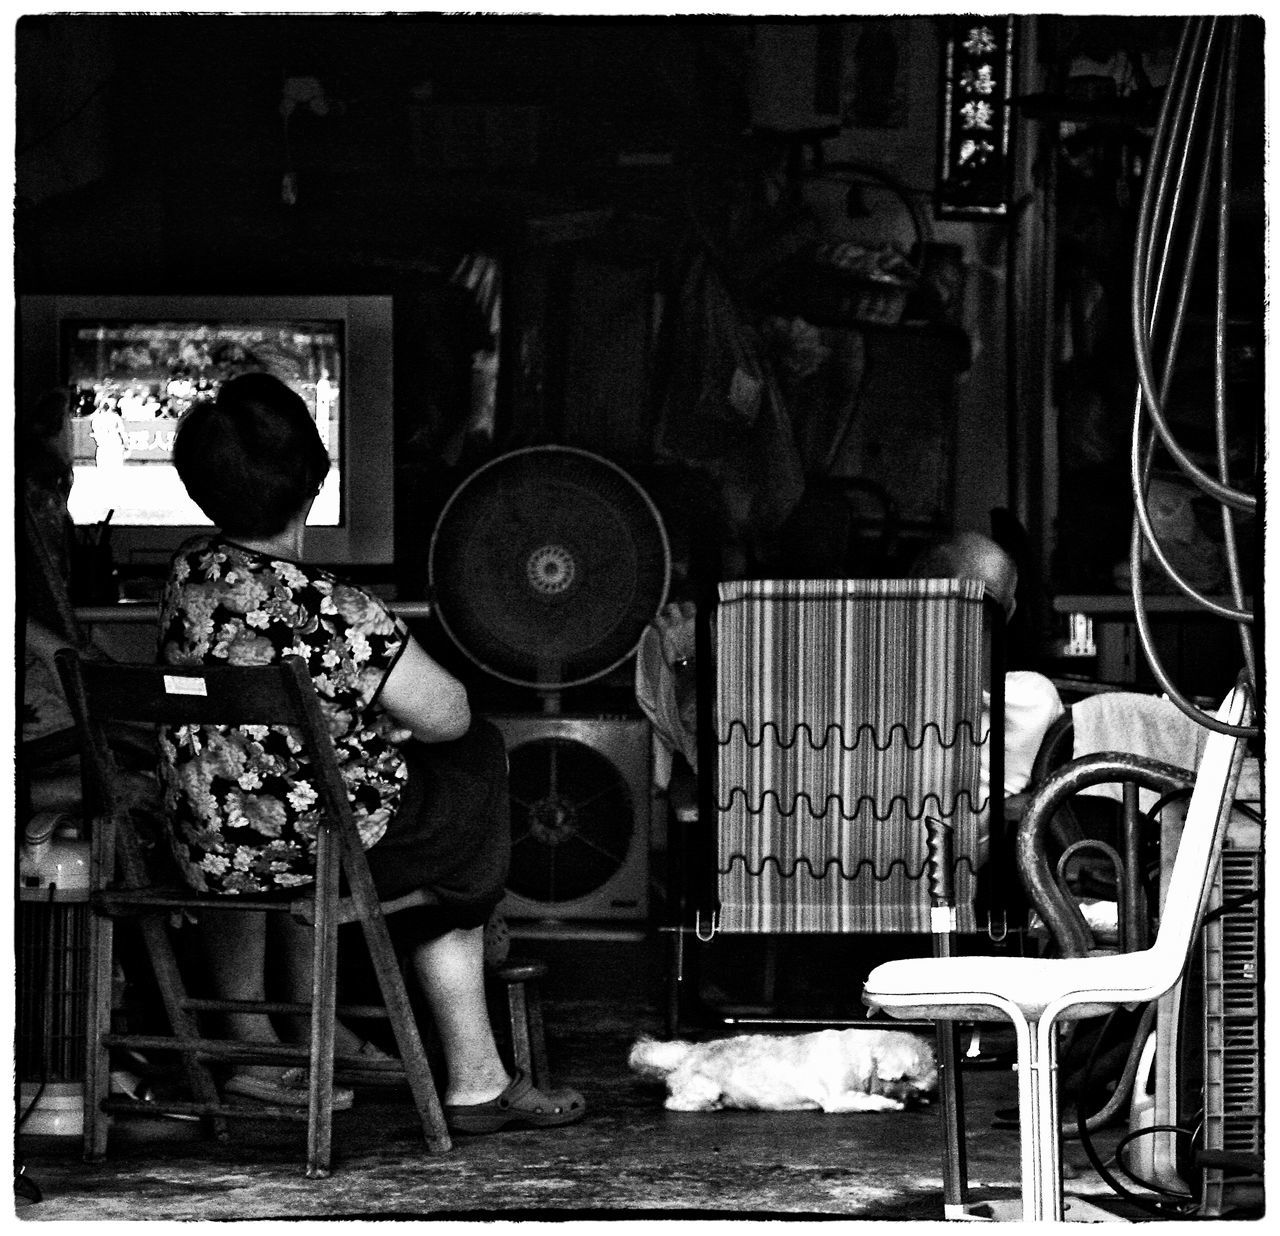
421 695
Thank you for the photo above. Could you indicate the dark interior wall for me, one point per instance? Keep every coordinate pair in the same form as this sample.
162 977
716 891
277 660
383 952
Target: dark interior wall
183 139
152 154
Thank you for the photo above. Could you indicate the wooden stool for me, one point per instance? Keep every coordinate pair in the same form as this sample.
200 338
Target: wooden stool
524 1016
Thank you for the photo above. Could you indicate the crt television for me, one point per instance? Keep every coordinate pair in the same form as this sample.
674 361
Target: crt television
133 364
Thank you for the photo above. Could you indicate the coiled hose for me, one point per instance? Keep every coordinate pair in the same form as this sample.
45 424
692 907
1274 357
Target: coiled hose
1191 152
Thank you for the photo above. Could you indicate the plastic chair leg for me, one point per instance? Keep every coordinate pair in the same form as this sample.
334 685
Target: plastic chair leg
1038 1129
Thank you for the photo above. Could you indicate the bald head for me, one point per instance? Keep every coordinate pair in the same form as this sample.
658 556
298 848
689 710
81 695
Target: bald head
970 555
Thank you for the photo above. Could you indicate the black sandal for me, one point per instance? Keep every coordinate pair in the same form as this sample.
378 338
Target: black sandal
521 1103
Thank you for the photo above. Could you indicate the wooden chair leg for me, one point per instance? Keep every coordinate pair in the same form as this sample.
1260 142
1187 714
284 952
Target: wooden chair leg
412 1054
116 850
518 1026
97 1072
524 1016
399 1011
173 993
324 983
539 1070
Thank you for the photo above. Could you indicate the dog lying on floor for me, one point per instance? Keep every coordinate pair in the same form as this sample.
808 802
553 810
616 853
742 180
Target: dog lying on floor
832 1070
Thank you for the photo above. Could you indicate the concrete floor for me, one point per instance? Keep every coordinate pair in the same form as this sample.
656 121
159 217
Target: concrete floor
628 1158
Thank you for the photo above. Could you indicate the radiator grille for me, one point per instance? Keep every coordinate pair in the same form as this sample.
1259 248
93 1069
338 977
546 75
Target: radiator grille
53 966
1233 1020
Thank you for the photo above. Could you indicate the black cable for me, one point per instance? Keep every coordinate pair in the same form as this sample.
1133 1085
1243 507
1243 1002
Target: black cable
1234 903
1132 1136
1159 1210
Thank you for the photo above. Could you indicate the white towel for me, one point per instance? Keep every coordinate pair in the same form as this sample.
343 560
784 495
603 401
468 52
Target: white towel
1145 725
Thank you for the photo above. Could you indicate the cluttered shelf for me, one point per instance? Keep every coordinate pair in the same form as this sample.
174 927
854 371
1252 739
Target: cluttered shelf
1197 646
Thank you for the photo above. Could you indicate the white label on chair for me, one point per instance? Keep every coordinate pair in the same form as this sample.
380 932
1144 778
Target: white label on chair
942 920
174 685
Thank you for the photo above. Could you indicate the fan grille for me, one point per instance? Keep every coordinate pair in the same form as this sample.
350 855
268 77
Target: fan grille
571 820
546 565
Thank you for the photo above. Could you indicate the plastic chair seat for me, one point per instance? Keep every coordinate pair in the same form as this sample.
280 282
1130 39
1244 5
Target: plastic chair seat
985 988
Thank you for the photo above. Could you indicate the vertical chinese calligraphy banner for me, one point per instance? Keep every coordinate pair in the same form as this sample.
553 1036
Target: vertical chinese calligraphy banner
977 84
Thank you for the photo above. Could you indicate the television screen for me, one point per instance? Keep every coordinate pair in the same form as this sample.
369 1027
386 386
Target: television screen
134 363
131 380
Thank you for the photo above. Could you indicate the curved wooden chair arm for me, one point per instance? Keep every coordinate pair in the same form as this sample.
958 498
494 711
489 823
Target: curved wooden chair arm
1060 914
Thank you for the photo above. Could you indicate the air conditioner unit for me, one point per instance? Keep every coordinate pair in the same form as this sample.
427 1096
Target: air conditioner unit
581 811
1205 1069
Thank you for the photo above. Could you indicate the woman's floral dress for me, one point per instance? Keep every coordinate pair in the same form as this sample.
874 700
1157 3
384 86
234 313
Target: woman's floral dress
241 799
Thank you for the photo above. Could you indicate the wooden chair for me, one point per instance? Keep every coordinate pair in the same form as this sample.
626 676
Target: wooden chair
1038 995
121 886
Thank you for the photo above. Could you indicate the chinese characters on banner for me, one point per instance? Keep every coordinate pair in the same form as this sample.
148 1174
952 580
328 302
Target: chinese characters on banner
973 174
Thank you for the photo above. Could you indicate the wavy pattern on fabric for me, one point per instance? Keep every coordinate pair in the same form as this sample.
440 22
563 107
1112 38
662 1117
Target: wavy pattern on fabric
897 866
929 806
830 837
897 734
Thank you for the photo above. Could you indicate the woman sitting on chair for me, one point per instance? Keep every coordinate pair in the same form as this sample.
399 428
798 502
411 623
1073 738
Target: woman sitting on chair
427 783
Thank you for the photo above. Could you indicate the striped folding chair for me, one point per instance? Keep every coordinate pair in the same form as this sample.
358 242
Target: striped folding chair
846 714
841 747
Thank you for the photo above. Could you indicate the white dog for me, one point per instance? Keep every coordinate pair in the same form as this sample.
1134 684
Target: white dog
834 1070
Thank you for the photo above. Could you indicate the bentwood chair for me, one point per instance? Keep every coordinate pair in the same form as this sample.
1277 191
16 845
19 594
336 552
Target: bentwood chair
1038 995
122 887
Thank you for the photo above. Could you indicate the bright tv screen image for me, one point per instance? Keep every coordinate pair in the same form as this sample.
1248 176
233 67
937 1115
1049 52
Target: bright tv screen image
132 364
131 381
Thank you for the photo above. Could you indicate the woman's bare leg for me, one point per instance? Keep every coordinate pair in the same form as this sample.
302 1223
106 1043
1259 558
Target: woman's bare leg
235 949
295 941
451 971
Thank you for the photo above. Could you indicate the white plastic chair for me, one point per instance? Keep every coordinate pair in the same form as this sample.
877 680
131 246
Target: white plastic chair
1037 994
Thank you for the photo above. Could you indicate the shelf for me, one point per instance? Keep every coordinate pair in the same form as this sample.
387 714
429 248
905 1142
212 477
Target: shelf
1120 604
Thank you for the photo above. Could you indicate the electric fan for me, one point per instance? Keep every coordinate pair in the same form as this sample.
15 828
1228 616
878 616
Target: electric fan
545 566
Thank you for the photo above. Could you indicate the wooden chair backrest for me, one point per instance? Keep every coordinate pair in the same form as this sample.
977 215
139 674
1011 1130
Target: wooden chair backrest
278 694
